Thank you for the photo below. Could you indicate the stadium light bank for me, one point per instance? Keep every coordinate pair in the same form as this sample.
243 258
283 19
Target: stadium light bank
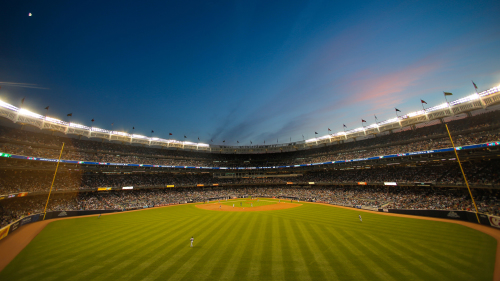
466 104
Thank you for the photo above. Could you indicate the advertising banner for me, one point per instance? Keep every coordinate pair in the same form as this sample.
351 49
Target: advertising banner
494 221
14 226
4 232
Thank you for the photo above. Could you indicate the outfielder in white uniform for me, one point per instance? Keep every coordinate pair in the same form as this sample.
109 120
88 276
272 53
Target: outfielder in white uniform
360 219
192 240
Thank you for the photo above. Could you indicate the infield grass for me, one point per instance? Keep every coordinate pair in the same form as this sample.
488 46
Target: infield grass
310 242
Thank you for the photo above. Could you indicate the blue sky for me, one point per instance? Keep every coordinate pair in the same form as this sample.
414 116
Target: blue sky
245 70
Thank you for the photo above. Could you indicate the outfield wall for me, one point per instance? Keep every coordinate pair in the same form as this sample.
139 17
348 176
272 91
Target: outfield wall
449 214
7 230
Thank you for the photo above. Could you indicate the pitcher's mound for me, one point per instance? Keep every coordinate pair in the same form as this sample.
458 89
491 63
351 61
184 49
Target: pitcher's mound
277 206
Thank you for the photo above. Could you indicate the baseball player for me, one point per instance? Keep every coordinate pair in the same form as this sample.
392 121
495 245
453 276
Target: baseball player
233 205
360 219
192 240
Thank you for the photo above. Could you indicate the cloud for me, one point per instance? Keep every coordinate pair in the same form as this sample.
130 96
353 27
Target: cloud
22 85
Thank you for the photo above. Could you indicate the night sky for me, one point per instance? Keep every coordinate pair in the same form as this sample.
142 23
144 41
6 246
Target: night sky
244 70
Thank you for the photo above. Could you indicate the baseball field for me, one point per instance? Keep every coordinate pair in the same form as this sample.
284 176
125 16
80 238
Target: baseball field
304 242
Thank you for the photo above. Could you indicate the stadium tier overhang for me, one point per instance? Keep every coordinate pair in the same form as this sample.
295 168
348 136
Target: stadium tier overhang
470 103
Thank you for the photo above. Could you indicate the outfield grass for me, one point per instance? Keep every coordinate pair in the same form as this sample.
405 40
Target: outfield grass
310 242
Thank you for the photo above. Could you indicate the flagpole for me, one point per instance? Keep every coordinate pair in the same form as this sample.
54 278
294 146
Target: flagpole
461 169
446 98
53 179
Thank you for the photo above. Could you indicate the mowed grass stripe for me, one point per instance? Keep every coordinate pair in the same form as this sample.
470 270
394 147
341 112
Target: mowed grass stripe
159 262
394 255
54 260
131 255
46 248
190 264
457 263
267 254
94 252
307 242
278 272
364 264
246 255
388 267
256 258
344 267
299 255
318 257
222 257
432 267
288 255
235 261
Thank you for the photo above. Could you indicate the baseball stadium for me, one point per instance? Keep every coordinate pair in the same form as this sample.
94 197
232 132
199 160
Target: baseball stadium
411 198
249 140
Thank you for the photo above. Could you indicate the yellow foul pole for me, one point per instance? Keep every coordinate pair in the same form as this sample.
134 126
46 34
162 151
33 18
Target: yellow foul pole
465 179
59 160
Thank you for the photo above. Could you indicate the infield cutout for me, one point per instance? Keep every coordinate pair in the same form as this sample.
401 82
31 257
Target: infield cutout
225 208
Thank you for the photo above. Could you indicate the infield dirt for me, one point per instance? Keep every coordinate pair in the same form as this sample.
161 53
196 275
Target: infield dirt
222 207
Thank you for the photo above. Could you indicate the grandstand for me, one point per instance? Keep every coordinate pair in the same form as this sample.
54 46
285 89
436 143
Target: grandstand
397 166
420 156
464 105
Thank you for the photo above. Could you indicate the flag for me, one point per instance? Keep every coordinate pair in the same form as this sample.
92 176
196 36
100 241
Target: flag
345 126
47 108
363 121
224 141
315 133
70 114
92 120
198 138
329 130
169 134
237 141
397 110
475 87
22 101
133 128
447 94
112 124
250 142
422 101
211 140
185 137
375 117
152 131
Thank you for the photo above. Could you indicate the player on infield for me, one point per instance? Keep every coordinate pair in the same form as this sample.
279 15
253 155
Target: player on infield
192 240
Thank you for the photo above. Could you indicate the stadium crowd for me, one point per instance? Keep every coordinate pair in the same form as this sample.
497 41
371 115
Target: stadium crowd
393 197
479 173
472 130
338 184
